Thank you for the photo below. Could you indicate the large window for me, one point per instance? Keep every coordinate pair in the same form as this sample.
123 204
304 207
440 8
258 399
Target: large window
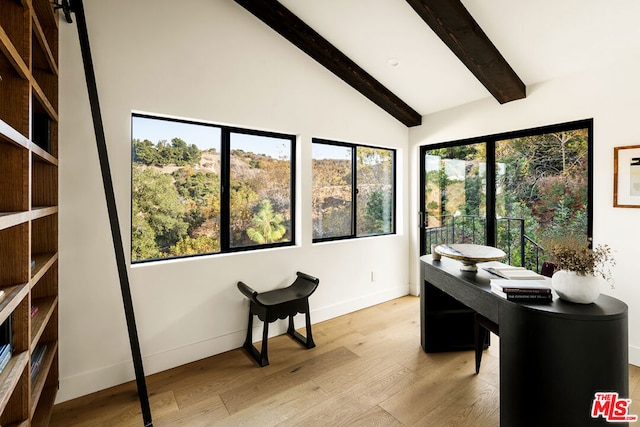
199 189
353 190
510 190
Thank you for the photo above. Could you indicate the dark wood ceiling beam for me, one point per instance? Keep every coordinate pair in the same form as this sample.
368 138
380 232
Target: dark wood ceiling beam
292 28
455 26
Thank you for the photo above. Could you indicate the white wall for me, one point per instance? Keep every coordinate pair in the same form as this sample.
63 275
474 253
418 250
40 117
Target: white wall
213 61
608 95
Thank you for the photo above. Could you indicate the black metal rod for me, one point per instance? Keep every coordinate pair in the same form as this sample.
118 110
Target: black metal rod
523 252
78 8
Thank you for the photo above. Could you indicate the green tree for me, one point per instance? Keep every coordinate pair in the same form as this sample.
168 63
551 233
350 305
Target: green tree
144 152
378 216
243 200
193 246
159 205
331 197
143 244
162 154
268 226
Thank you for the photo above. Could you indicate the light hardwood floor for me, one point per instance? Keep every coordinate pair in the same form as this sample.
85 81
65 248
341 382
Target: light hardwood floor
367 369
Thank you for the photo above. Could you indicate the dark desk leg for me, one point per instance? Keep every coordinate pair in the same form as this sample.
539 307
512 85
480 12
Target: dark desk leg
551 367
445 323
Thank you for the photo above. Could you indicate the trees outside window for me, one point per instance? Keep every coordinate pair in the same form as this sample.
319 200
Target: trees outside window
353 190
208 189
511 190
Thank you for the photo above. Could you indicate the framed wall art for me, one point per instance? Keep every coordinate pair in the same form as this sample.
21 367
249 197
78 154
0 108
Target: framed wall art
626 176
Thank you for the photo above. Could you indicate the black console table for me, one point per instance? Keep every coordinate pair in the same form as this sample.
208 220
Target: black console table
553 357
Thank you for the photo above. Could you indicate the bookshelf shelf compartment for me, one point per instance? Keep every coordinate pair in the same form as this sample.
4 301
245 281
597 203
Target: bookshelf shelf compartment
44 183
42 264
42 377
46 308
16 89
13 296
10 376
44 235
44 122
14 161
42 414
48 25
14 255
14 25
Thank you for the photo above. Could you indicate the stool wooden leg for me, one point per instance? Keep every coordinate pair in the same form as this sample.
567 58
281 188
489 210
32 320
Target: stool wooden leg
305 341
264 358
291 330
310 343
260 357
248 341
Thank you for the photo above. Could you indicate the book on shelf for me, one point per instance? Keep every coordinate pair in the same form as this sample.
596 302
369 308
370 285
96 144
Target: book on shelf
6 331
34 310
523 290
36 360
522 286
507 271
5 355
527 298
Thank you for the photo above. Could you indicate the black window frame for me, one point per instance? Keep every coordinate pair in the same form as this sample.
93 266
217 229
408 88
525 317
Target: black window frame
354 190
225 185
490 141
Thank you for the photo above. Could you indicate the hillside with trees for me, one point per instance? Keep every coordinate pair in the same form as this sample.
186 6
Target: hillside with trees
176 199
541 182
332 194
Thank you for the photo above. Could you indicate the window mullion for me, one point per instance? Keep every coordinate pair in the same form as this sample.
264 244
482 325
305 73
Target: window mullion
225 190
491 193
354 191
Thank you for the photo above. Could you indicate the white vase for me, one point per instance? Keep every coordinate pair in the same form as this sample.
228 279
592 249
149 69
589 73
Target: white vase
570 286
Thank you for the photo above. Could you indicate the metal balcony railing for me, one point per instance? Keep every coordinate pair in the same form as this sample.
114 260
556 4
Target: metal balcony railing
521 250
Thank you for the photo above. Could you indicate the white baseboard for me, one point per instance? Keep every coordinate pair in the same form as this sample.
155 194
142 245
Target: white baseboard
414 289
109 376
634 355
355 304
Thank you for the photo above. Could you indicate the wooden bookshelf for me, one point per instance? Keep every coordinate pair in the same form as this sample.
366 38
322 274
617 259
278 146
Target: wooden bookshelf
29 207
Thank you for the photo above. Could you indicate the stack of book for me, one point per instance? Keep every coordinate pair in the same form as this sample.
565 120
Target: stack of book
36 360
507 271
5 355
528 291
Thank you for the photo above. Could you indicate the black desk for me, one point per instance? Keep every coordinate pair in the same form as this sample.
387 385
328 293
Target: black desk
553 357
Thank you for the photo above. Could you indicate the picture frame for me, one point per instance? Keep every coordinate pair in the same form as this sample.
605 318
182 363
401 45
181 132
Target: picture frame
626 176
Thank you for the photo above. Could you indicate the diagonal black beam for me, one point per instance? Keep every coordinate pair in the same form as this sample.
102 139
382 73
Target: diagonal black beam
77 7
292 28
461 33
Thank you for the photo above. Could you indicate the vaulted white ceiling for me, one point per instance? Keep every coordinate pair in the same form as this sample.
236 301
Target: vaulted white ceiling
540 39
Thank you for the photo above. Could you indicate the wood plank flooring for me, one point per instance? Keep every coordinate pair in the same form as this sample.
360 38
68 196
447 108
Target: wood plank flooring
367 369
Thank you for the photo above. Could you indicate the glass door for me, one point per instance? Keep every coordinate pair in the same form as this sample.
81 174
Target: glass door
542 191
454 196
532 184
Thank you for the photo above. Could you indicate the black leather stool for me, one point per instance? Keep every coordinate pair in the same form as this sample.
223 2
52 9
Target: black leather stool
279 304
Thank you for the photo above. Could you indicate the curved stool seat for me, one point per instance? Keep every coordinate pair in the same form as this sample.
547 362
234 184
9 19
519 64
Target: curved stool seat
279 304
